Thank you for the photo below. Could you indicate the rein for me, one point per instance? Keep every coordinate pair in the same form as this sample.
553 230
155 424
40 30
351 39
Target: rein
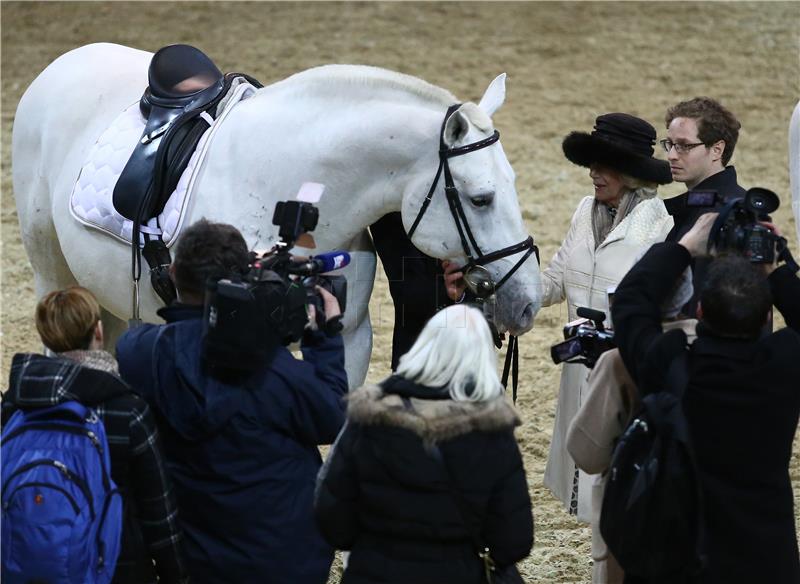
476 276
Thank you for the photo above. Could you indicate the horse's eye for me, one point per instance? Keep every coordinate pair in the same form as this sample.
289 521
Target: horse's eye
482 200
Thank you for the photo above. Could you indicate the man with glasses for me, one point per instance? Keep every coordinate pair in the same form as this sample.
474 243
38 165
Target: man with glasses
701 137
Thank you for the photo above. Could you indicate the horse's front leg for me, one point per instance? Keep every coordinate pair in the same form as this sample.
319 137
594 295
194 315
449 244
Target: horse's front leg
357 328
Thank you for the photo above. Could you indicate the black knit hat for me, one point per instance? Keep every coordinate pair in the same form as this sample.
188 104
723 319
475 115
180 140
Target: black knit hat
622 142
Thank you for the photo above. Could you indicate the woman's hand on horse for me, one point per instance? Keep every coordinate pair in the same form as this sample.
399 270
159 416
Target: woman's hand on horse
454 281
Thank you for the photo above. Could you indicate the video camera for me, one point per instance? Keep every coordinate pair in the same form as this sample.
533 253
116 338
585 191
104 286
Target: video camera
586 339
247 316
737 228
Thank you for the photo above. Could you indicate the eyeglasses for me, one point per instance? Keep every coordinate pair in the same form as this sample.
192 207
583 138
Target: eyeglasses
667 144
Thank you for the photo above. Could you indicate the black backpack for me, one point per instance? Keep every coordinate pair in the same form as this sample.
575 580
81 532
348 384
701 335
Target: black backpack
651 518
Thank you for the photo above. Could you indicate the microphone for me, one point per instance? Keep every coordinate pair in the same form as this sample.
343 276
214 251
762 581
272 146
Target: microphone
328 261
597 316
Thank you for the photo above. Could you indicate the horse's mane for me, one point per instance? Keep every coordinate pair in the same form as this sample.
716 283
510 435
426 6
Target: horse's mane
372 77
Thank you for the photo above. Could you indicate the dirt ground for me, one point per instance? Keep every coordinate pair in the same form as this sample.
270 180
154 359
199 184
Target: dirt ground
566 63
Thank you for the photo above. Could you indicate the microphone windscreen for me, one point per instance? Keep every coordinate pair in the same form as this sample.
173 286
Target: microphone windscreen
591 314
332 260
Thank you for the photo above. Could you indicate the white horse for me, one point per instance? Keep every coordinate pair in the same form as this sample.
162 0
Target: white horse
794 166
370 135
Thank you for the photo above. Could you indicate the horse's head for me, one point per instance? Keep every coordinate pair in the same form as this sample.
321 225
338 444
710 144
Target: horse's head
482 211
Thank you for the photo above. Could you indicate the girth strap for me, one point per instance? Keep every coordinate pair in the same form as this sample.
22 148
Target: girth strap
178 123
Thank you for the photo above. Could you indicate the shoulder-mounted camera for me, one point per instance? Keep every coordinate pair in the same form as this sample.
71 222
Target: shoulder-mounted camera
248 315
738 229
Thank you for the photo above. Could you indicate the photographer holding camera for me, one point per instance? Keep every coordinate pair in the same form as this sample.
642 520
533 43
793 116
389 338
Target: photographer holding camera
742 401
612 399
243 454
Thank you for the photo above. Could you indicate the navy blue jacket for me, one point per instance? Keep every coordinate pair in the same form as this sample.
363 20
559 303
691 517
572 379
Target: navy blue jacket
243 458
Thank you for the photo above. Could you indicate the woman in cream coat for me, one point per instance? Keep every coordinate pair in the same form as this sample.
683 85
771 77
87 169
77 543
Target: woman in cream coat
607 233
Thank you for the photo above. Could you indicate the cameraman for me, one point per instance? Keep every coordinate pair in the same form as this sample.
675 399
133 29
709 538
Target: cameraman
603 416
243 456
742 403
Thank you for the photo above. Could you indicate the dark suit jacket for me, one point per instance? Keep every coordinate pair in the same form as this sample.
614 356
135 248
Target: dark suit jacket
742 405
726 185
416 282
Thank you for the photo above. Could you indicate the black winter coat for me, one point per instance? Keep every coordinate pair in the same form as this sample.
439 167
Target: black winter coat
742 405
726 185
382 495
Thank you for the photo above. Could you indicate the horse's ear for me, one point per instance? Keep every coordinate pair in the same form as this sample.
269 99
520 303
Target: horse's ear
456 128
494 96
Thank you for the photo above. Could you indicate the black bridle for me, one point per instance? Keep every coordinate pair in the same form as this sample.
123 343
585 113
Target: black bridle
475 274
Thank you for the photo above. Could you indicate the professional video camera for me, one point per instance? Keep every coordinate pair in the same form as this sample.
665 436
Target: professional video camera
737 228
586 339
248 315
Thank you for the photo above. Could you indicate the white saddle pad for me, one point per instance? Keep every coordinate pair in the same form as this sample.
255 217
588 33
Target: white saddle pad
91 201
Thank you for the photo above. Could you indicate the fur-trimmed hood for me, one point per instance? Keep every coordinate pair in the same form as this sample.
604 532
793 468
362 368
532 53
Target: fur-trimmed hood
435 419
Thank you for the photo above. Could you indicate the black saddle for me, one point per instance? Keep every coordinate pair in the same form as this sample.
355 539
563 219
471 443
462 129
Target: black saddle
178 73
183 84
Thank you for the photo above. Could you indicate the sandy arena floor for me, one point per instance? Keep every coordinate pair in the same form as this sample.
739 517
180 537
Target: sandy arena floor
566 63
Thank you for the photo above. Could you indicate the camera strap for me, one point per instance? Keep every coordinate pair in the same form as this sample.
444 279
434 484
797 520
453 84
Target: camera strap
479 544
722 217
786 256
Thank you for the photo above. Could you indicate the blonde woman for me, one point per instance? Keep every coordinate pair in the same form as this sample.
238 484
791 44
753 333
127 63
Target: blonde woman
427 460
609 229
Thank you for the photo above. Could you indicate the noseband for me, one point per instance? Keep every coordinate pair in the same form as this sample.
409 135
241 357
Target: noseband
476 275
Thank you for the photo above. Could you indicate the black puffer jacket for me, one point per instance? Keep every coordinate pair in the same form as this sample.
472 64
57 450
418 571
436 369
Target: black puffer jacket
382 495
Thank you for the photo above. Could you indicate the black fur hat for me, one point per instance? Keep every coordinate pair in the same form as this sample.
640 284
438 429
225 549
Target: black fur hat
622 142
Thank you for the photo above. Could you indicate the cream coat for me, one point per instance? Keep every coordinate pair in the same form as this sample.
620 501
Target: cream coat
581 275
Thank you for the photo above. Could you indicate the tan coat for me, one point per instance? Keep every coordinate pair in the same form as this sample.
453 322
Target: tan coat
610 400
581 275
